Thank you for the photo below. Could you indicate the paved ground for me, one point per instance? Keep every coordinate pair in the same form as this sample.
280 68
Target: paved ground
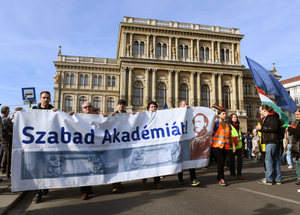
239 197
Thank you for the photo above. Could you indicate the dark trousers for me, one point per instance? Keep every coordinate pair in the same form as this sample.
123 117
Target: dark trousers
263 156
192 174
86 189
231 156
4 155
221 156
156 180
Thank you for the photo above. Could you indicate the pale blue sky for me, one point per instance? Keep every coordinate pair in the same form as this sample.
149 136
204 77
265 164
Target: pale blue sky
32 30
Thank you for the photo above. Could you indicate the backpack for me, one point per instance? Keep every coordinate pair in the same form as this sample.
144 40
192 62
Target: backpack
281 129
217 126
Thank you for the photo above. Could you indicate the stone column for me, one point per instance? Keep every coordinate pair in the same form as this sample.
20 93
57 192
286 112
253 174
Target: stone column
199 88
241 98
76 79
219 56
170 49
176 89
154 84
131 45
122 82
212 51
213 90
238 50
192 92
232 54
147 48
198 50
192 51
75 104
176 48
233 97
146 98
154 46
124 44
220 89
130 86
169 96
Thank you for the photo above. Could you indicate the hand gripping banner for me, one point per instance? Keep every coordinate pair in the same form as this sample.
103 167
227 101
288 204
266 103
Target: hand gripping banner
55 150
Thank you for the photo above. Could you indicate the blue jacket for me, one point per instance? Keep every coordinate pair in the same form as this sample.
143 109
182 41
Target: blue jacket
249 141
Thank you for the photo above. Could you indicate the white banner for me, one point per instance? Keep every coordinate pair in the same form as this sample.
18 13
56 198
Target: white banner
55 150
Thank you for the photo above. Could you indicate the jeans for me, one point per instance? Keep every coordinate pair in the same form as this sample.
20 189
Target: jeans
249 153
289 156
273 171
298 169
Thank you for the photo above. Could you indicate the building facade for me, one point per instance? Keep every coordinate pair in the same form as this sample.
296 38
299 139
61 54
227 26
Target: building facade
292 85
166 62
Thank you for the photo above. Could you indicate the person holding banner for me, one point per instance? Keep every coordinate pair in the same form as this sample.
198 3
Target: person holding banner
45 99
194 181
87 108
270 137
152 106
221 142
236 134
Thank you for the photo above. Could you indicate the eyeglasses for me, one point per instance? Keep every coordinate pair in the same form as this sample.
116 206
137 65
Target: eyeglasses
87 107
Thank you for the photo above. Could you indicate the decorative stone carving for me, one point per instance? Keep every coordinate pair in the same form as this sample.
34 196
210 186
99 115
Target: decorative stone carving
216 55
236 56
151 48
195 52
56 78
128 47
184 79
206 80
173 50
59 51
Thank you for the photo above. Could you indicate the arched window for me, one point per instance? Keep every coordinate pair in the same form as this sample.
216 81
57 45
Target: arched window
113 82
110 104
184 92
227 55
226 97
142 48
222 54
96 103
138 93
100 80
180 51
81 80
161 94
67 78
108 81
186 51
95 80
245 88
207 53
164 50
136 47
72 79
296 100
82 100
86 80
68 103
205 96
248 109
201 53
158 49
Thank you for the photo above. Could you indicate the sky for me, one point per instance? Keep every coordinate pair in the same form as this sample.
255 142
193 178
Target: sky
31 32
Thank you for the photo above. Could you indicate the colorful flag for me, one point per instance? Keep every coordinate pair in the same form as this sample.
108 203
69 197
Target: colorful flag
217 107
266 101
266 81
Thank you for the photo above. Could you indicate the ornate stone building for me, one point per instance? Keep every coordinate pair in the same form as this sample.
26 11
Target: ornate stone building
163 61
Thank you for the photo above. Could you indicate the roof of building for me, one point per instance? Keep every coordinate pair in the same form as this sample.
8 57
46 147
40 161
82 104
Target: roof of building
297 78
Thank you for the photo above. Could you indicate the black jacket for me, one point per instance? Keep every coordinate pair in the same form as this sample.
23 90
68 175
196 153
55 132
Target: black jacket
39 107
270 128
296 136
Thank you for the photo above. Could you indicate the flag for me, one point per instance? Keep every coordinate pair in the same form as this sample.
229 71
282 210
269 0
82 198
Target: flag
266 101
266 81
217 107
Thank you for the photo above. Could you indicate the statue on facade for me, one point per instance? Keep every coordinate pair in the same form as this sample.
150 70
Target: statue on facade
236 56
173 50
128 47
56 78
195 51
151 48
216 55
59 51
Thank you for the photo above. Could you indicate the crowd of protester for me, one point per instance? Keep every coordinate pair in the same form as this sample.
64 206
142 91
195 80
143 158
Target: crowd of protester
263 144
